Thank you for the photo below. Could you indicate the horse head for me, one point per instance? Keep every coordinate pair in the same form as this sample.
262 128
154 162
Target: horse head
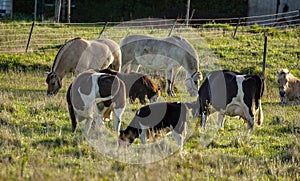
282 80
54 84
153 91
192 83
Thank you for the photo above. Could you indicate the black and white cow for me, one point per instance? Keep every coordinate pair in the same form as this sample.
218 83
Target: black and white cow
233 94
155 117
91 88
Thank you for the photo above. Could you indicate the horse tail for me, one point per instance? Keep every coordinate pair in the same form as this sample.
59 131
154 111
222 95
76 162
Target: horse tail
71 109
117 62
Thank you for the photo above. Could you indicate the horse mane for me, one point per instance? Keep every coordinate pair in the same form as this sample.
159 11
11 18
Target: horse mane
61 50
284 71
149 83
187 47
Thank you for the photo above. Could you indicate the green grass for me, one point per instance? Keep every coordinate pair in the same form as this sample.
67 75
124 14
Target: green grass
37 142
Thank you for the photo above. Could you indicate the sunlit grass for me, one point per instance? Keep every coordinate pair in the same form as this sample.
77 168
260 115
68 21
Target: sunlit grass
37 142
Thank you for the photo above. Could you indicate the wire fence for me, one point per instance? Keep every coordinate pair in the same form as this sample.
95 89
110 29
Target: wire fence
16 37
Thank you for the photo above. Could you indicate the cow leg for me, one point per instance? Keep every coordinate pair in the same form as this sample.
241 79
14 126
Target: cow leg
97 118
71 109
221 119
203 119
179 139
251 123
143 136
260 118
88 125
117 118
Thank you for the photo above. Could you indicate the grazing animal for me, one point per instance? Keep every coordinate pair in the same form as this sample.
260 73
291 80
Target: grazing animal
78 55
289 86
233 94
90 88
167 54
137 85
155 117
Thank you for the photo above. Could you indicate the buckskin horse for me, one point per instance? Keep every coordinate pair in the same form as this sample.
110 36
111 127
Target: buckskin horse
78 55
90 88
168 54
289 86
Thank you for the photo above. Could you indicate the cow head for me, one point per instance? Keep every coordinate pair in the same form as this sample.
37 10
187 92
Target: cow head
126 137
54 84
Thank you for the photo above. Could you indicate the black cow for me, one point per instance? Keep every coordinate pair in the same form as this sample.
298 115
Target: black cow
155 117
233 94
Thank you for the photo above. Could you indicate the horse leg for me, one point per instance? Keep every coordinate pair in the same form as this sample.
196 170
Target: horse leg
175 71
142 99
135 67
169 82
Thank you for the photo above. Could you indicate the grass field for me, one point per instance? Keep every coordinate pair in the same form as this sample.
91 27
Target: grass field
37 142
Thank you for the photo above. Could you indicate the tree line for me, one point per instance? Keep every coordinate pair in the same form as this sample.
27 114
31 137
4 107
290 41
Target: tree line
120 10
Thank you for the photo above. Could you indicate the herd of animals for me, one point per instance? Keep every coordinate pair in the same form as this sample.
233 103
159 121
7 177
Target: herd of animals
107 74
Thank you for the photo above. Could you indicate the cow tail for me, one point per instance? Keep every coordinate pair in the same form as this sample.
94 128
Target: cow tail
259 94
71 109
120 95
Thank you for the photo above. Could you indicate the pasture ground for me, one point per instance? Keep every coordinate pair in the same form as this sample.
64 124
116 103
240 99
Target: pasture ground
37 142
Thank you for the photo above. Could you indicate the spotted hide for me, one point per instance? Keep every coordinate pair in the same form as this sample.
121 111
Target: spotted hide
91 88
155 117
232 94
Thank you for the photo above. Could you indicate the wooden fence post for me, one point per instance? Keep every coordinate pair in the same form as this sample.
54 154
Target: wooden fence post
172 27
103 29
237 25
57 10
265 56
29 37
69 11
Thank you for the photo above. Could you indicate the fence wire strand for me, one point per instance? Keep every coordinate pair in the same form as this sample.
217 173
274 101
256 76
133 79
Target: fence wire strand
50 36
